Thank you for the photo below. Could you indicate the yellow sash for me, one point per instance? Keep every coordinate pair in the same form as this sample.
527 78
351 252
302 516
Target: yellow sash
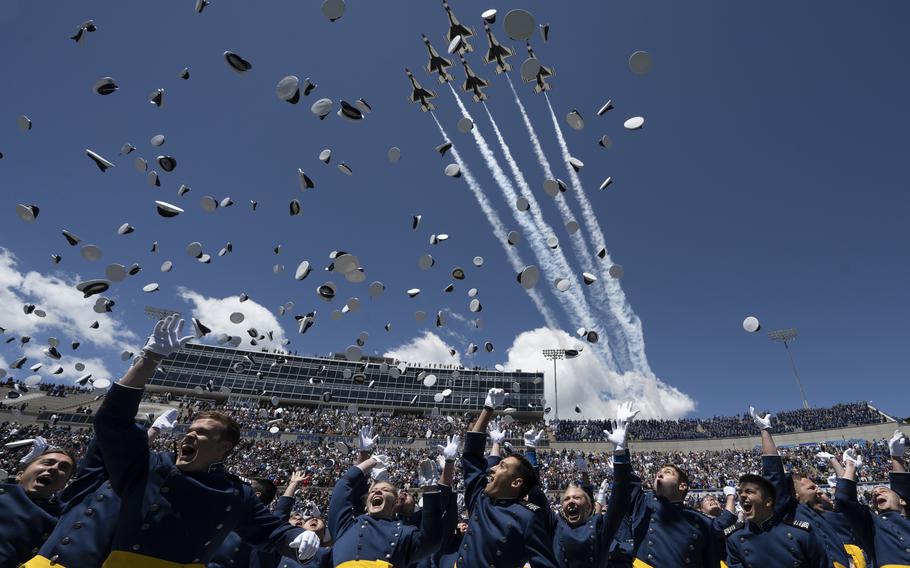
640 564
365 564
856 554
40 562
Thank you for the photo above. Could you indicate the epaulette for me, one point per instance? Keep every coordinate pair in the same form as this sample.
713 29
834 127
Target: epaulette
530 506
733 528
799 524
238 478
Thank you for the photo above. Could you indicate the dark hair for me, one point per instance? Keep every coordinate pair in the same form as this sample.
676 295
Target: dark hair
680 473
527 473
231 431
267 490
54 450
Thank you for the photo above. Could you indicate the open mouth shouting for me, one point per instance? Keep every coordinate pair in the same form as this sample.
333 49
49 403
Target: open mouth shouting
187 451
44 479
572 513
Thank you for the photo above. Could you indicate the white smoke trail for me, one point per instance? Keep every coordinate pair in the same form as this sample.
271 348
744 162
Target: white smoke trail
570 298
536 232
582 251
619 305
499 230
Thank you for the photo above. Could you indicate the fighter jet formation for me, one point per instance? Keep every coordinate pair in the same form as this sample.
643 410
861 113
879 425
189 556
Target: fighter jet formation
456 36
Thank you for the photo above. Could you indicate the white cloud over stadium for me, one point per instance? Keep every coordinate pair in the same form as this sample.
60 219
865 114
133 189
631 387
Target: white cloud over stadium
216 312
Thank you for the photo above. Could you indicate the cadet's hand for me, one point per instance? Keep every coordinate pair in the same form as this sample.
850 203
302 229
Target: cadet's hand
367 441
532 437
495 397
450 450
853 457
581 464
311 509
297 477
165 338
897 444
763 422
306 543
166 421
496 433
624 415
824 456
832 480
380 471
729 490
601 496
39 445
427 473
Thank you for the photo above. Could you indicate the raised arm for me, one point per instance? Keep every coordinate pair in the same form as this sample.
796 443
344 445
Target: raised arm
264 529
342 504
773 466
474 466
621 496
897 446
495 397
497 434
831 461
429 537
285 504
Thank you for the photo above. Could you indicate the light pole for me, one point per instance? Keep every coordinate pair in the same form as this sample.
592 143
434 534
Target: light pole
785 336
555 355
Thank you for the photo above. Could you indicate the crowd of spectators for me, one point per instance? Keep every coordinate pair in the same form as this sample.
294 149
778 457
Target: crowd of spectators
804 419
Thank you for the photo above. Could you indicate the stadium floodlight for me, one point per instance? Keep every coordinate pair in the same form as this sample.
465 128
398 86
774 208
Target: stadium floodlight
555 355
785 336
159 314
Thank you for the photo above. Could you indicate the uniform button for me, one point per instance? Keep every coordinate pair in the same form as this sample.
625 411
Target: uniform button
99 497
154 507
790 535
66 540
2 491
144 527
195 560
208 542
89 511
77 525
219 526
228 508
165 489
136 547
54 558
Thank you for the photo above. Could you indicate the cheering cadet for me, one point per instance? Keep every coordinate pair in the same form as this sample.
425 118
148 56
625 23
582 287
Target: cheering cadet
233 552
29 508
888 529
582 539
174 509
796 497
504 530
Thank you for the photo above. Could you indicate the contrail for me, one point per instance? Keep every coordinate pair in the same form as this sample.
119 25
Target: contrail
582 251
569 300
499 230
619 305
536 233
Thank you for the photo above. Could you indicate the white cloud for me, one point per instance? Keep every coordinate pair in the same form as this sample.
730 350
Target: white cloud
68 313
94 365
427 348
586 382
215 313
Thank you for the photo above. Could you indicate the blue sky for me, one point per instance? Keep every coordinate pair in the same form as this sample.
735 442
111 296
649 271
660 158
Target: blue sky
769 180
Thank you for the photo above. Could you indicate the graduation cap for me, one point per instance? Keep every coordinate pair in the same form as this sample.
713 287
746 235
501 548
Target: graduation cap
350 112
105 86
305 181
157 97
751 324
572 227
294 207
237 64
606 183
562 284
394 154
545 31
201 329
589 278
528 277
465 125
125 229
453 170
86 28
166 163
576 164
322 108
153 179
607 106
605 141
308 87
575 120
24 123
184 73
333 9
522 203
617 271
27 213
288 89
477 261
634 123
640 62
345 169
443 148
519 24
91 287
200 5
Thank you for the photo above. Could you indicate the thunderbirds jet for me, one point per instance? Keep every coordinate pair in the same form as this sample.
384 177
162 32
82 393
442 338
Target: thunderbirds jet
438 64
457 29
473 83
497 52
532 70
419 94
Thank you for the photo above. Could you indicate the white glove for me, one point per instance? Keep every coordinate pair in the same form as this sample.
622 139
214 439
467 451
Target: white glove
581 464
450 450
380 471
601 496
832 480
39 444
763 423
166 421
851 456
306 543
729 490
427 473
609 464
165 338
495 397
624 415
824 456
367 441
532 437
311 509
897 444
496 433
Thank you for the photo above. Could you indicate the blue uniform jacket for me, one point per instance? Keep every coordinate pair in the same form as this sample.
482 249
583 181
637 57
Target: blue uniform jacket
588 545
504 533
168 514
24 524
775 542
888 531
827 526
367 538
83 535
450 541
669 534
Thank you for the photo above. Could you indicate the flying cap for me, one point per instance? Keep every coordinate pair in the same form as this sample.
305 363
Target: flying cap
528 277
607 106
751 324
606 183
640 62
617 271
27 213
519 25
102 163
465 125
634 123
394 154
333 9
237 64
288 89
605 141
322 108
489 16
105 86
453 170
165 209
575 120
